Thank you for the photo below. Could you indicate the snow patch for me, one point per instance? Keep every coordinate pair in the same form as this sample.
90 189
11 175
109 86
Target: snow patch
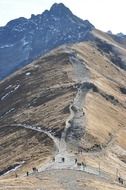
24 42
28 73
7 46
10 92
9 111
7 94
8 87
14 169
16 87
56 19
12 109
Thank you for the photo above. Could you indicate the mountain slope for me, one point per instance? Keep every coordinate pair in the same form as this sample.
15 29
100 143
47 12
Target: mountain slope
22 40
74 96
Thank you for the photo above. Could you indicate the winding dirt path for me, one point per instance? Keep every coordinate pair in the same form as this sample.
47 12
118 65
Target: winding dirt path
75 124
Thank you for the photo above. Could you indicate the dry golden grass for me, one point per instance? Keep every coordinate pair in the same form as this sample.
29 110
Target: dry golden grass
43 98
61 180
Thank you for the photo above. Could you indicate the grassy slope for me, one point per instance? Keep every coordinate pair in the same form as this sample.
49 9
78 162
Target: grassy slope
43 98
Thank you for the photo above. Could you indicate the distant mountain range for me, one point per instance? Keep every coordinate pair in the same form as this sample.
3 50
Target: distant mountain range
22 40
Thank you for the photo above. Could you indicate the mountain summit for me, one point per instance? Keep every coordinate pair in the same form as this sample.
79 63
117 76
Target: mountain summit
22 40
60 9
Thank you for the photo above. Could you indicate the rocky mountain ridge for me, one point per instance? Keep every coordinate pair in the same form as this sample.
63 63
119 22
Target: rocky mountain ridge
22 40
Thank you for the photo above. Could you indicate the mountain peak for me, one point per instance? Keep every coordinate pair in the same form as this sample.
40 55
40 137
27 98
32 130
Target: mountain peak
58 5
120 34
59 9
38 35
109 32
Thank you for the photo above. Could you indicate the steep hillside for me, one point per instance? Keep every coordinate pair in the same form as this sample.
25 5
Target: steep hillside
69 104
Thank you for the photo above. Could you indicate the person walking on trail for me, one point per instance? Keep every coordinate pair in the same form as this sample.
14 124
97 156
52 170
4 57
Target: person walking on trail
120 180
75 160
27 173
63 159
84 165
79 151
53 159
35 169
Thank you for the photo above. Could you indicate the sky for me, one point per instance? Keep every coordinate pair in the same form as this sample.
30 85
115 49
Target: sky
103 14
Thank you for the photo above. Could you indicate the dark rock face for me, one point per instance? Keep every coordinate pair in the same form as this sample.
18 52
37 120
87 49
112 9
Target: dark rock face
22 40
123 90
109 50
120 38
2 172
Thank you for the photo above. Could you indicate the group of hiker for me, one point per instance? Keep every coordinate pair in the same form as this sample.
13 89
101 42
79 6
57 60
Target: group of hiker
33 169
62 159
76 162
83 164
79 164
120 180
